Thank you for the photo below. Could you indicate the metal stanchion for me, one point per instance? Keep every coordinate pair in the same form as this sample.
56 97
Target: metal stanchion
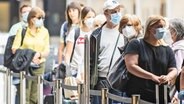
8 86
135 99
22 88
57 97
80 94
157 94
165 94
86 94
40 89
104 96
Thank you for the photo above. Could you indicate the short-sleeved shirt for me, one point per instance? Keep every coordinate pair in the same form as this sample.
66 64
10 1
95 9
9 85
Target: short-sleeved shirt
78 54
38 42
154 59
14 29
64 31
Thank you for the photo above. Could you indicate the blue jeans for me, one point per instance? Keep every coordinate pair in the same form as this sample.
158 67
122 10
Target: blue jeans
16 82
17 95
97 99
115 93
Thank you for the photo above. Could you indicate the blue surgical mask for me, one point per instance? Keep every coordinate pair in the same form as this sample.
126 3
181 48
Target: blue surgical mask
38 22
160 32
25 16
115 18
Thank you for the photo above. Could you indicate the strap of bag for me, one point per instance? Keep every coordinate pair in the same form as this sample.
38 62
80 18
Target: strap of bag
23 35
77 33
113 53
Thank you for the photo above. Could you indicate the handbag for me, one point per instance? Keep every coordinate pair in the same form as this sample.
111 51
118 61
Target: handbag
71 81
118 75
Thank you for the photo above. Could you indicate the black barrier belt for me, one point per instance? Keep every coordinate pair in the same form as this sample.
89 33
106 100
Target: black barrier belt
124 99
68 87
119 98
48 82
15 74
3 71
31 77
95 92
145 102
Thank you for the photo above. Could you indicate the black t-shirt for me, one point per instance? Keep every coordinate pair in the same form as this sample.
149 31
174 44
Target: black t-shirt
155 59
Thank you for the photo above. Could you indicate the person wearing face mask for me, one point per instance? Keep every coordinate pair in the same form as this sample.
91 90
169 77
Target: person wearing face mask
130 27
24 11
150 61
37 39
75 54
103 47
73 11
176 30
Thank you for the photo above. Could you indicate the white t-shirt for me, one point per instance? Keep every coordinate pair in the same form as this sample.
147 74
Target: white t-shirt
78 54
107 44
62 31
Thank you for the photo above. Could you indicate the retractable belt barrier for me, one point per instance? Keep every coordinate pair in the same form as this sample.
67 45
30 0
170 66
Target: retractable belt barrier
83 90
105 95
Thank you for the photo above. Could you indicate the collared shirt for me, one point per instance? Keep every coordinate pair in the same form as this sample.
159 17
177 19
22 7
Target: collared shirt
38 42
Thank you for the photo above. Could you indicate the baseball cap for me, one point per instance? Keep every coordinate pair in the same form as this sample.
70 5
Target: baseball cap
111 4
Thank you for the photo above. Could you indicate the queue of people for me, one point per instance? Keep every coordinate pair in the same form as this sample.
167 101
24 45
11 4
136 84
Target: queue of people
149 59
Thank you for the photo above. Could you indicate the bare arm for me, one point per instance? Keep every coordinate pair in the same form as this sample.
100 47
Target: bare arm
60 52
69 49
131 61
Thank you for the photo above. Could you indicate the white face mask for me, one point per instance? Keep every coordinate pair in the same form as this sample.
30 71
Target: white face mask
129 31
25 16
38 22
167 38
89 22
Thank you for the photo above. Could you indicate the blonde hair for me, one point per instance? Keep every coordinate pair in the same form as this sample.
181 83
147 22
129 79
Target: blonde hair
136 23
36 11
152 20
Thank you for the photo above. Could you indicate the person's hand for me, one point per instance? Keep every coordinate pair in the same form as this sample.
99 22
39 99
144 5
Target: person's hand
164 79
155 78
175 100
36 58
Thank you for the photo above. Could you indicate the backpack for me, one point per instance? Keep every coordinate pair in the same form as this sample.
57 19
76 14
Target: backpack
8 55
65 29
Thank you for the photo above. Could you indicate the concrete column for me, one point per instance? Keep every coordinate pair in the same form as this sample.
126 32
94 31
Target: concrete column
168 8
33 3
138 8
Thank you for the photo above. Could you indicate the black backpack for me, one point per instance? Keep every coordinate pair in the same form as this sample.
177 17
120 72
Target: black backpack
8 55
